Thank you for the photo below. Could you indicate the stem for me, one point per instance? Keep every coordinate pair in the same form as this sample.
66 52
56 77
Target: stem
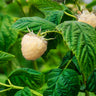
4 84
33 91
5 90
86 93
35 65
68 64
70 15
17 87
51 32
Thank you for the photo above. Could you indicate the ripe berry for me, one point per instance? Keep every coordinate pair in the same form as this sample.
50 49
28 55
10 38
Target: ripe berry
88 18
33 46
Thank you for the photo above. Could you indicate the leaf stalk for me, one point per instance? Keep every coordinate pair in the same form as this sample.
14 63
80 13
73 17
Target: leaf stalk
11 86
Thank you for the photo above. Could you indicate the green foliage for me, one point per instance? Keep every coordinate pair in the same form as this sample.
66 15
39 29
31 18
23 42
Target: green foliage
46 5
8 1
8 36
55 16
71 1
73 64
81 40
27 77
58 16
24 92
91 82
3 78
62 83
83 94
33 23
34 11
4 56
90 5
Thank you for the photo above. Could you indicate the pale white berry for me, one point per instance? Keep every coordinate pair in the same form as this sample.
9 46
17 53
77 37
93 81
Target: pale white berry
88 18
33 46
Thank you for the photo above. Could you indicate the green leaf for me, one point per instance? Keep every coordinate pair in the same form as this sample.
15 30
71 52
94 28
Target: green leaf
55 16
4 56
58 16
90 5
91 82
34 11
65 60
24 92
3 78
13 9
73 64
62 83
33 23
46 5
27 77
67 17
1 19
81 39
7 35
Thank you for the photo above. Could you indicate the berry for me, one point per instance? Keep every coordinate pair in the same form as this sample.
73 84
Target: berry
88 18
33 46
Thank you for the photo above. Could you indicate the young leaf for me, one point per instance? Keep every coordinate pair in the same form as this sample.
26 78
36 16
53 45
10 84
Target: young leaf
27 77
62 83
91 82
81 39
7 35
24 92
33 23
4 57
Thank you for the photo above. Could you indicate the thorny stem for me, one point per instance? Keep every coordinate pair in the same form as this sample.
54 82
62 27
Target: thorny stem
70 15
11 86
